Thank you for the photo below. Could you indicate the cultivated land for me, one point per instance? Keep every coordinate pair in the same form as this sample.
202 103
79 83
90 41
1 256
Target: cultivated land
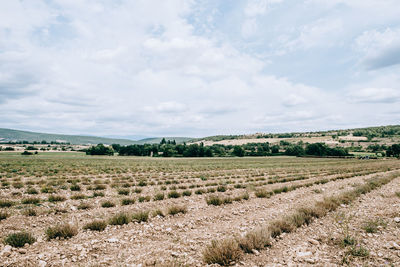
166 211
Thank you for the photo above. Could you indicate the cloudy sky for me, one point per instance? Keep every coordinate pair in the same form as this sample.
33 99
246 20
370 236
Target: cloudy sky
198 67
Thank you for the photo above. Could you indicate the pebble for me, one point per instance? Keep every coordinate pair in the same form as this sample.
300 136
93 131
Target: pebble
112 240
6 251
397 219
42 263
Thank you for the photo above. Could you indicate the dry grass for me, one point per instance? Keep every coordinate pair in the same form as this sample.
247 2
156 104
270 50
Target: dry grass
223 252
61 231
255 240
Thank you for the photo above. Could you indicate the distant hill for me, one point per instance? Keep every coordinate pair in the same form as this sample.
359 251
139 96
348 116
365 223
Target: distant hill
16 135
7 135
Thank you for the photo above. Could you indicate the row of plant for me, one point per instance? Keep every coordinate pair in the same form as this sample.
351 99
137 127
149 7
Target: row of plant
230 250
66 231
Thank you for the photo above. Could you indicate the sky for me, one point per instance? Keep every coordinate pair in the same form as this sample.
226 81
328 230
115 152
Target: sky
198 67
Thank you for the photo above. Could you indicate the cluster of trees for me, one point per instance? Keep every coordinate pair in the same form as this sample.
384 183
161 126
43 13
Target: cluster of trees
100 149
171 149
393 151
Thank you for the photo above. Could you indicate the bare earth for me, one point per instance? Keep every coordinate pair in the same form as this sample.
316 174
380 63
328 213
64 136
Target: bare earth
181 238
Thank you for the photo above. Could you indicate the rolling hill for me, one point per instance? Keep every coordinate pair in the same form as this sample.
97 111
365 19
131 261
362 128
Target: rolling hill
7 135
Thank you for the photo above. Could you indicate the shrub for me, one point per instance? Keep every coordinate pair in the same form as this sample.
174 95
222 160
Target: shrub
75 187
32 191
6 203
83 206
221 188
359 251
61 231
173 194
199 191
127 201
144 198
281 226
31 200
56 198
119 219
157 212
30 212
108 204
78 196
140 216
187 193
256 239
262 193
98 194
223 252
18 240
123 192
214 200
4 215
97 225
176 209
159 196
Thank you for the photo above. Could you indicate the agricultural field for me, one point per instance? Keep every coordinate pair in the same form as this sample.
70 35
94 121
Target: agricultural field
67 209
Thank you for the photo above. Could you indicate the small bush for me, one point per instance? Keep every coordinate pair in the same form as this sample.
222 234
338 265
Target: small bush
4 215
397 194
214 200
32 191
176 209
359 251
144 198
262 193
97 225
127 201
6 203
223 252
140 216
256 239
119 219
158 196
123 192
31 200
187 193
98 194
221 188
199 191
75 187
78 196
83 206
173 194
56 198
61 231
30 212
157 212
108 204
18 240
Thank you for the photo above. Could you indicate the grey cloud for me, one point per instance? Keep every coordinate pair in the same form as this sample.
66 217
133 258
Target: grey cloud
386 58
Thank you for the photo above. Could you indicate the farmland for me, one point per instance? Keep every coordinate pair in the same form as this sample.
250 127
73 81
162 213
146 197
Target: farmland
79 210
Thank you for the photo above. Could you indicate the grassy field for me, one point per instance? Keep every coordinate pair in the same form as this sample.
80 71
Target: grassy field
152 208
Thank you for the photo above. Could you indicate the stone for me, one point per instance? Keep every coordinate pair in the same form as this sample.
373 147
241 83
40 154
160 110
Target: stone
255 252
303 254
6 251
42 263
112 240
397 219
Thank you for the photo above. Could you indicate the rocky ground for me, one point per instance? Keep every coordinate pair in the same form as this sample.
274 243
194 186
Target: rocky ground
181 238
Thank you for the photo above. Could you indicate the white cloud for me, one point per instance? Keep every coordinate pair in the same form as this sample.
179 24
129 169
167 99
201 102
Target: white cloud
125 67
375 95
379 48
